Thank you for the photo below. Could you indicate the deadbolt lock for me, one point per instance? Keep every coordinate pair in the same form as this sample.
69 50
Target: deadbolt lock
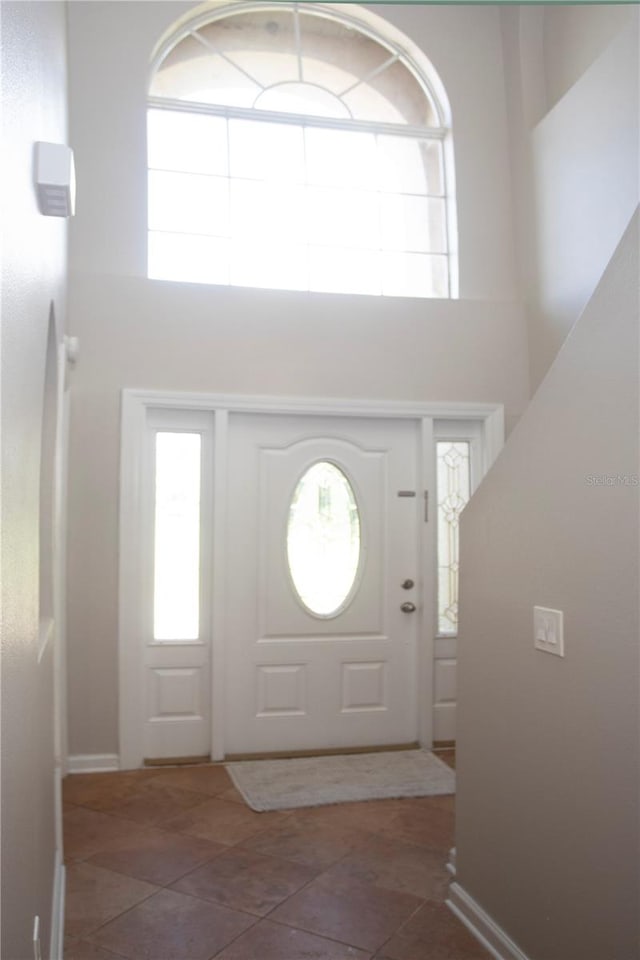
407 584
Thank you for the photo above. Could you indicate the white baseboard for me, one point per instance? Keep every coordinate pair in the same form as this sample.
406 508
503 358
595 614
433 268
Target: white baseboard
451 864
56 948
93 762
484 929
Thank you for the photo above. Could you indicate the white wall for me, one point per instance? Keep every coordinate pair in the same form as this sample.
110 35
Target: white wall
33 274
140 333
586 185
547 803
547 748
574 37
572 101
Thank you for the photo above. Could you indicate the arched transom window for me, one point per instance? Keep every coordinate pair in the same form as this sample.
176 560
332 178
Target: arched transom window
291 147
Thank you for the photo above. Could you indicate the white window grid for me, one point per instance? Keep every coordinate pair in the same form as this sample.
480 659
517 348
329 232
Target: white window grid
372 255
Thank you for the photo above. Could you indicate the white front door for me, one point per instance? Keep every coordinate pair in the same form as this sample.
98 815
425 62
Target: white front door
255 617
322 546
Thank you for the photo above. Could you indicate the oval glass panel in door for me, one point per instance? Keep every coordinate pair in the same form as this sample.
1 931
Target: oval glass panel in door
323 539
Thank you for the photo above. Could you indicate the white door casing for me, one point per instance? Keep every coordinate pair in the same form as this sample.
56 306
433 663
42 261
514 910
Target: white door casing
142 412
296 680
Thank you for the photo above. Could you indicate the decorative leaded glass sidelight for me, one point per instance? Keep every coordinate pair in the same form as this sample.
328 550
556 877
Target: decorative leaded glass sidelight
454 487
323 540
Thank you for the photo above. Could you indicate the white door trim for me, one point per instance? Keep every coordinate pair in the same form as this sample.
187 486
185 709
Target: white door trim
491 413
425 645
131 713
135 404
219 588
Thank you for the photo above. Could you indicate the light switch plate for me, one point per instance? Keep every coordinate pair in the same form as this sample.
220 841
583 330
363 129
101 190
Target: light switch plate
548 630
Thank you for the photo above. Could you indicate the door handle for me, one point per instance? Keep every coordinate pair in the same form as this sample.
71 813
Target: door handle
408 607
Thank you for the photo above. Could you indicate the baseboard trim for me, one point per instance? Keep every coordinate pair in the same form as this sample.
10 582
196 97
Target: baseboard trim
56 948
451 863
177 761
93 762
484 929
328 752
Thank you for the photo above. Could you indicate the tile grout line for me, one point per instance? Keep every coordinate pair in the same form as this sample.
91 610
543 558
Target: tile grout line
397 930
122 913
237 847
120 956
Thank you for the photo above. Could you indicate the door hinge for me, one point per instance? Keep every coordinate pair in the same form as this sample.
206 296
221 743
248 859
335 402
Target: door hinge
426 506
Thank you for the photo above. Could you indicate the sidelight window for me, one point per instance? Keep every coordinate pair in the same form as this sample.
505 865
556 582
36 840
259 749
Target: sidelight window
177 536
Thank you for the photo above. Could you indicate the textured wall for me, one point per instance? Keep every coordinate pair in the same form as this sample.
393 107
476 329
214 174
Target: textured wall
33 265
586 158
574 37
547 828
571 75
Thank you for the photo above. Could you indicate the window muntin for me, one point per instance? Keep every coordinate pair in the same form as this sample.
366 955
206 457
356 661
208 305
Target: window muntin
234 59
323 540
343 176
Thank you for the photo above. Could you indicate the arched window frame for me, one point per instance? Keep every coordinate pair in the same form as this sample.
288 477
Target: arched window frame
375 28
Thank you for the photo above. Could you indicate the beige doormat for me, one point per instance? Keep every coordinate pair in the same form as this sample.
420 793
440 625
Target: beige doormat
313 781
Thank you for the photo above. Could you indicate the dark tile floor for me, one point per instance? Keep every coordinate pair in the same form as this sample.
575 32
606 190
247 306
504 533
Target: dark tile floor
170 864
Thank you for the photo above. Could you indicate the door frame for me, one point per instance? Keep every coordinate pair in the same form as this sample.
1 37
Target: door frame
135 406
